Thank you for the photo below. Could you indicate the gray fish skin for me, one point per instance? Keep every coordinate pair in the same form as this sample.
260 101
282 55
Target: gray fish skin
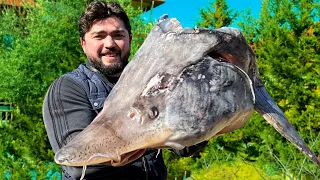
182 87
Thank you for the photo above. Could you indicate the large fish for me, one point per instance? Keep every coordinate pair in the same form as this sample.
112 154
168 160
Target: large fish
182 87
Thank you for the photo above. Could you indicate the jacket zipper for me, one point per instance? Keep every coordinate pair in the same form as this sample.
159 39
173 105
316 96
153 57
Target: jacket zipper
144 162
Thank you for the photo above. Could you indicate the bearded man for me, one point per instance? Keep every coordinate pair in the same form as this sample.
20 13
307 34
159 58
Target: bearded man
75 99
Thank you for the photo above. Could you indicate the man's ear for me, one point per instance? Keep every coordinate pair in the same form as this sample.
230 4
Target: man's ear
83 44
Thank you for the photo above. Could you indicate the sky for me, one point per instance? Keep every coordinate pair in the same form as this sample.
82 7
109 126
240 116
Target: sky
187 11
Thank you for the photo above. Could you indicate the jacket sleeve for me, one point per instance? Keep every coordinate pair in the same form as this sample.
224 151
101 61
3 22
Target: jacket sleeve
191 150
66 112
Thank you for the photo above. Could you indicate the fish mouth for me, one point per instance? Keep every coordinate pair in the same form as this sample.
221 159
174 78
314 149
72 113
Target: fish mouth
100 158
128 157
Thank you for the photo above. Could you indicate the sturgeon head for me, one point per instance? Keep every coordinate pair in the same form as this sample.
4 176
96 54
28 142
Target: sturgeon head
182 87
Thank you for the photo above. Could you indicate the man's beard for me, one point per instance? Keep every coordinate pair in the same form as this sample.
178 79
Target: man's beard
111 69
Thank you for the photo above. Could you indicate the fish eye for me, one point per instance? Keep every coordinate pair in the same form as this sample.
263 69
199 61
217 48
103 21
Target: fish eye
153 113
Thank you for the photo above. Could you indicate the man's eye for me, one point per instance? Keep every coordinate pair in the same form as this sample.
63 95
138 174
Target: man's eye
98 37
119 35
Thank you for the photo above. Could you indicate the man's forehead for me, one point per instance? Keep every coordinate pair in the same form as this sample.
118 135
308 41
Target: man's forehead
109 24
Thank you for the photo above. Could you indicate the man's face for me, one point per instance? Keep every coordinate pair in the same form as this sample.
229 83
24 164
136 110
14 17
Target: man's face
107 46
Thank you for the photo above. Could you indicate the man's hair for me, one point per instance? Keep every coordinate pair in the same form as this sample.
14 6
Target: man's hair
99 11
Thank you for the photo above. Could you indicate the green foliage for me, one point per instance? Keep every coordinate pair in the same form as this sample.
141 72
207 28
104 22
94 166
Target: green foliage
238 170
19 158
247 23
216 16
43 46
172 160
287 48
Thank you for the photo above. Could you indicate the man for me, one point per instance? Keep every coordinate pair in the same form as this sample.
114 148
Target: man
74 99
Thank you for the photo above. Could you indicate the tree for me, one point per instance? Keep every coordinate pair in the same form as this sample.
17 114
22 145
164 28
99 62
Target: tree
287 47
216 16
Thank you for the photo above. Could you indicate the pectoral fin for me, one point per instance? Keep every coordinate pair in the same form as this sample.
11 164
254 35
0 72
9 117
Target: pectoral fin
272 113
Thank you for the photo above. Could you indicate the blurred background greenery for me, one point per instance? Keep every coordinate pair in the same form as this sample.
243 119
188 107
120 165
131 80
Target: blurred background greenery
41 42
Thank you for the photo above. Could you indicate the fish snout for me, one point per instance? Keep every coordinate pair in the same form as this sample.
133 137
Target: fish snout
114 140
65 157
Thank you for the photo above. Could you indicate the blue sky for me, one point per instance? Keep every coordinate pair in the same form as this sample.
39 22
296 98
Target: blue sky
187 11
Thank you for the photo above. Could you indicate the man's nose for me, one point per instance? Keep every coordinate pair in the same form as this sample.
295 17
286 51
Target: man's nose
109 42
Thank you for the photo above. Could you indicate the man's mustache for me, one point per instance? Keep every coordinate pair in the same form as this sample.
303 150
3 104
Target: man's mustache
110 51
